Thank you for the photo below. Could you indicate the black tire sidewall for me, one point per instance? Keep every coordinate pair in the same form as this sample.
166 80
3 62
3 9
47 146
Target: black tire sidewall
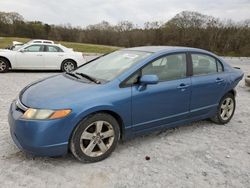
65 61
76 135
221 121
7 65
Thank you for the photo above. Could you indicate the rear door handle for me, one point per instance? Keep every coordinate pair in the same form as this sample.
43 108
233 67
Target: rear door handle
39 55
183 86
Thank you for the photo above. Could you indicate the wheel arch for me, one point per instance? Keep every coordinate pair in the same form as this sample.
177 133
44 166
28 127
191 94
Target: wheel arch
114 114
233 92
118 119
6 60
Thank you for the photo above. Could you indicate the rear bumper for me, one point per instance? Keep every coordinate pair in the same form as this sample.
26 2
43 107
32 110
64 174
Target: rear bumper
41 138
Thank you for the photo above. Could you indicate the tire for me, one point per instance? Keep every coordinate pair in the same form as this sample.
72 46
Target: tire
68 65
225 110
95 138
4 65
247 81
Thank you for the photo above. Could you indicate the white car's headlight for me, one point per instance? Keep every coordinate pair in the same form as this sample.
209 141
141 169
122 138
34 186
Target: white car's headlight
42 114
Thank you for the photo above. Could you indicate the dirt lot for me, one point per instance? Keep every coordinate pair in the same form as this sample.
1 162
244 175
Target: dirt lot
198 155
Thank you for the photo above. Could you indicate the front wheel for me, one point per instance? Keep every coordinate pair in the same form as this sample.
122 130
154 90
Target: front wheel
4 65
225 110
68 66
95 138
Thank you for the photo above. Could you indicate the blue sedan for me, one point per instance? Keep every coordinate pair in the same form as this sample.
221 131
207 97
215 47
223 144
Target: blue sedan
120 95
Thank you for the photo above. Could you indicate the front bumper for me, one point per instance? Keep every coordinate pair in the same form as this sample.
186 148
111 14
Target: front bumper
39 137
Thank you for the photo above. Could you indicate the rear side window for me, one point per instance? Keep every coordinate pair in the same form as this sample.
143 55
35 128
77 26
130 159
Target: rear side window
170 67
205 64
53 49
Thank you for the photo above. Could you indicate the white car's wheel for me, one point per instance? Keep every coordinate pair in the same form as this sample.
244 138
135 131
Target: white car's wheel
68 66
4 65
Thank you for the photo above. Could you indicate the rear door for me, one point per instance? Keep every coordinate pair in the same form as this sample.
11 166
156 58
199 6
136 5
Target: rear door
208 84
54 57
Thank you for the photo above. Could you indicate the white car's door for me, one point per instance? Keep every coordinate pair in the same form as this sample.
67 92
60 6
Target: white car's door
31 57
54 57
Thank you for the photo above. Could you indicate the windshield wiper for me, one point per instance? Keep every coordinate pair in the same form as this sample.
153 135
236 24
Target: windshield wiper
89 77
72 74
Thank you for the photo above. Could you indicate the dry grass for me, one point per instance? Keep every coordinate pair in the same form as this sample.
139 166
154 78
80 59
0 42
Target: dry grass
81 47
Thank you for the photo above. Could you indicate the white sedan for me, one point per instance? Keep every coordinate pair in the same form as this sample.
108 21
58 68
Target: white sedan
41 56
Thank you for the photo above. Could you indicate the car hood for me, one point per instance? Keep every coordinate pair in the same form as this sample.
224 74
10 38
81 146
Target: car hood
56 92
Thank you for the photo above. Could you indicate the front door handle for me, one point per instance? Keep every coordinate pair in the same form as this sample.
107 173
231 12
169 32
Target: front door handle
183 86
219 80
39 55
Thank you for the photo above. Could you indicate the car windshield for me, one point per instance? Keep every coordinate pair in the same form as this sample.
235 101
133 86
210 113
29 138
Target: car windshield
29 42
17 47
110 66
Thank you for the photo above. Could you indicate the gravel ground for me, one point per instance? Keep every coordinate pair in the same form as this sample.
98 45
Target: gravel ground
201 154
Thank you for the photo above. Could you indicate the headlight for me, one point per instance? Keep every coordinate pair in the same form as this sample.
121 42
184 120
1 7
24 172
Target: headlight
42 114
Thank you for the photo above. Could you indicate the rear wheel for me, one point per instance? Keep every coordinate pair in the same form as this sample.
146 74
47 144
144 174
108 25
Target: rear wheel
226 109
95 138
4 65
68 66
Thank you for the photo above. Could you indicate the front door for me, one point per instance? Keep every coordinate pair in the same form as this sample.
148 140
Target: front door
32 57
166 102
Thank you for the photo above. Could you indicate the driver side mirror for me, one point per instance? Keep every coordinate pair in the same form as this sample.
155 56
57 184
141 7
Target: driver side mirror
149 79
146 80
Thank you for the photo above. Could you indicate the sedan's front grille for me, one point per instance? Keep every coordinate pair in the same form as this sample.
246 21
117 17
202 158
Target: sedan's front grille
20 106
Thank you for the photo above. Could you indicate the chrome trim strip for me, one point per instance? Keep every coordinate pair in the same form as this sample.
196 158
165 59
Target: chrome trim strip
20 105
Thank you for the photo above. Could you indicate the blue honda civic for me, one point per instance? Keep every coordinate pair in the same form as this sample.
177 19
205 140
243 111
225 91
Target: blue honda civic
120 95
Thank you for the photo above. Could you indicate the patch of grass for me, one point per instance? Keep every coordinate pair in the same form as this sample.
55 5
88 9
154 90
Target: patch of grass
80 47
89 48
7 41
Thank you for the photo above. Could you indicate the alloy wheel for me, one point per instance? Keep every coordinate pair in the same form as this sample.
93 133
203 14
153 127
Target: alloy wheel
2 65
97 138
227 109
68 66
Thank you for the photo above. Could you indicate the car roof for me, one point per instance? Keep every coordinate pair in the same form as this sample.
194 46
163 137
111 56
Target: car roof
41 41
155 49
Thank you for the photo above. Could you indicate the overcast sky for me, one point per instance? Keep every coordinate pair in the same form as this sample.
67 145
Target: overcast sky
85 12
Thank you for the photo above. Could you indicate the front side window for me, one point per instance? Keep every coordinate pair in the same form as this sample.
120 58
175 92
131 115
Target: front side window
110 66
133 79
170 67
35 48
205 64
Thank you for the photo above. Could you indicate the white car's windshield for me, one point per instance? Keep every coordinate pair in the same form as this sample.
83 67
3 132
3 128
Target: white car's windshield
110 66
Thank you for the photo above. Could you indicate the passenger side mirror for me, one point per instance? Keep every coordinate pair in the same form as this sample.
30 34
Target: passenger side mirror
149 79
22 50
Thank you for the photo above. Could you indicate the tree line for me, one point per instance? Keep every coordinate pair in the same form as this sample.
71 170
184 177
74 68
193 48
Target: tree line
185 29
